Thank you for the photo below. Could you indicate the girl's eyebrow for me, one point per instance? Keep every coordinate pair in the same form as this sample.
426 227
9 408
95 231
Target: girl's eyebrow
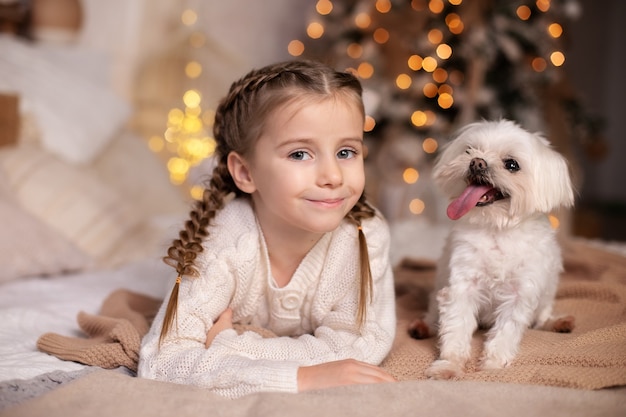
308 141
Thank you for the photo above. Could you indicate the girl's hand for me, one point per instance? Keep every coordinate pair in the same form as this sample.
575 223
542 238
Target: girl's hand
344 372
223 322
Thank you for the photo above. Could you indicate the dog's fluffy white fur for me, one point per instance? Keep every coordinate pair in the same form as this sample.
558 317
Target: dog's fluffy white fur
501 263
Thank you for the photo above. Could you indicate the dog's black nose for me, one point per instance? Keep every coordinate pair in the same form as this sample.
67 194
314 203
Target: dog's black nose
478 165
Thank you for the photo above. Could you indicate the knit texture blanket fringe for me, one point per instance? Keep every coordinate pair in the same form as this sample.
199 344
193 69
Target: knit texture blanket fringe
593 356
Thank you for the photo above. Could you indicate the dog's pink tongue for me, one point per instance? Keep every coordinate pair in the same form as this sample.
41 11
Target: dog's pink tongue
466 201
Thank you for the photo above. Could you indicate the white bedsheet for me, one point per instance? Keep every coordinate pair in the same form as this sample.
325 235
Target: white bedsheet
32 307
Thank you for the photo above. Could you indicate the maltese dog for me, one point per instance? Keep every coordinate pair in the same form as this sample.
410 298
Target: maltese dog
501 262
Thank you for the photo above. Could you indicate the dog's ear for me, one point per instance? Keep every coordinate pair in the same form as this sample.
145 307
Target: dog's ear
553 185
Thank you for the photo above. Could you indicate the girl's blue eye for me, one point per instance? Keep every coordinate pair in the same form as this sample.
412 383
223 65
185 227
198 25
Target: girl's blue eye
299 155
346 154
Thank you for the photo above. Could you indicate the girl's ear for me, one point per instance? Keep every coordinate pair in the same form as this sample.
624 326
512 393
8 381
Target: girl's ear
238 168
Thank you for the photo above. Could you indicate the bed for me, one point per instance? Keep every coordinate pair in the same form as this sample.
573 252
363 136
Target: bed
83 219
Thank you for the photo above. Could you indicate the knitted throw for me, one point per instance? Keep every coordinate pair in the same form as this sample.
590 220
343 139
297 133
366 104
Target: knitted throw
593 356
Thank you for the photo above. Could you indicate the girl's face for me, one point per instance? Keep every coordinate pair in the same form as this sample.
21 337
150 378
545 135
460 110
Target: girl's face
306 171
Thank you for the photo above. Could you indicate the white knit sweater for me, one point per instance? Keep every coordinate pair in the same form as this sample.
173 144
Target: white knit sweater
314 315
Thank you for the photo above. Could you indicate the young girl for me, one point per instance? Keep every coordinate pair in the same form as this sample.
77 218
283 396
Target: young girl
278 242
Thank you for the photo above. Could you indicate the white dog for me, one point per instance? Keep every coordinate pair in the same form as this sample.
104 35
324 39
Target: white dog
501 263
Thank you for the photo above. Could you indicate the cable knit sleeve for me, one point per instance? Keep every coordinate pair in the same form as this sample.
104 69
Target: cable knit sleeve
336 335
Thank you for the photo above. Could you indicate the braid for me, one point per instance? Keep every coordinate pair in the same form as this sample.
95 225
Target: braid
184 250
362 210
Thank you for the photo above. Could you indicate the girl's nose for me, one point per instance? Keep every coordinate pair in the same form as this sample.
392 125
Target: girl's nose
329 173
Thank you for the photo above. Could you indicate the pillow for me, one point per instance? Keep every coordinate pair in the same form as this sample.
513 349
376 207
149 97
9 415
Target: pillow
78 114
29 247
69 199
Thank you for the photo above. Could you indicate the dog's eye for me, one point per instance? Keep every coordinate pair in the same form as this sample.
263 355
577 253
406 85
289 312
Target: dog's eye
511 165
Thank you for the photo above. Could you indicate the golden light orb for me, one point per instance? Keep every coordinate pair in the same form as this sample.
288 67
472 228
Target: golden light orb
363 20
295 47
523 12
429 64
196 192
175 117
403 81
189 17
156 144
418 5
381 36
430 90
354 50
315 30
454 23
440 75
543 5
410 175
444 51
383 6
415 62
435 36
192 98
430 145
193 69
445 100
417 206
365 70
418 118
555 30
539 64
557 58
324 7
436 6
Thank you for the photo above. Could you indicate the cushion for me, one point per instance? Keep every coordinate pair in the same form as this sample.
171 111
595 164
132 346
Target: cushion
69 199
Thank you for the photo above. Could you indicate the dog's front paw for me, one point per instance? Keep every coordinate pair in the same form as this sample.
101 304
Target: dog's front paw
492 363
419 329
445 369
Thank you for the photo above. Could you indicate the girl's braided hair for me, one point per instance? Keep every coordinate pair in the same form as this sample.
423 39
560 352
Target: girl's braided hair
239 121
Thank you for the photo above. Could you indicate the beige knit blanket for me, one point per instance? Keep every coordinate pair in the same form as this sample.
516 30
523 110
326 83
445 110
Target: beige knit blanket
593 356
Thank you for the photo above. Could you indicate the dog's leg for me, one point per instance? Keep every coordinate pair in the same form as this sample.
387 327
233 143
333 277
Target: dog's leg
503 339
457 323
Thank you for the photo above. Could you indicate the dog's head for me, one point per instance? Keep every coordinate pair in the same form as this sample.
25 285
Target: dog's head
498 173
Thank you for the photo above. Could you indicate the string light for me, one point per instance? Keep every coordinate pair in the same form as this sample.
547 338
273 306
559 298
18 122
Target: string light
523 12
315 30
186 137
403 81
417 206
295 48
383 6
324 7
430 145
410 175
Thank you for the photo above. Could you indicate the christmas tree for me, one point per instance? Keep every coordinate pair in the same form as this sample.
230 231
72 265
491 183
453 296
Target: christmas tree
431 66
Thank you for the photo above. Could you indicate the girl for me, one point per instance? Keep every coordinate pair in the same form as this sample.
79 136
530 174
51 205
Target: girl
278 243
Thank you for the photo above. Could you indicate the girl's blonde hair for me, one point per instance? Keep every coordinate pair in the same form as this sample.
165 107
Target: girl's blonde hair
239 120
